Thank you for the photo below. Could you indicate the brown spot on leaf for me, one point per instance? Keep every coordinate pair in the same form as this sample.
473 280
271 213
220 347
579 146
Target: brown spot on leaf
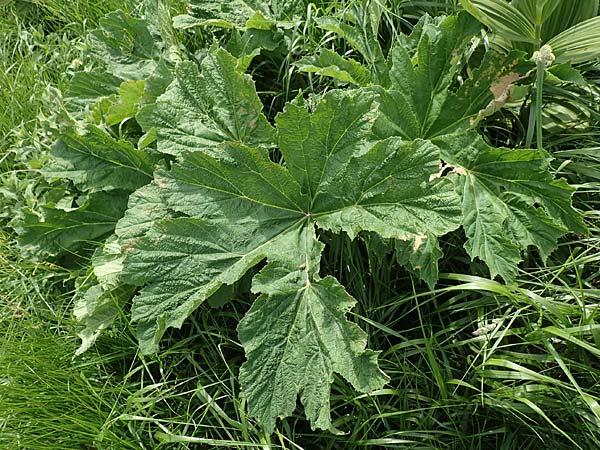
419 239
460 170
129 246
501 90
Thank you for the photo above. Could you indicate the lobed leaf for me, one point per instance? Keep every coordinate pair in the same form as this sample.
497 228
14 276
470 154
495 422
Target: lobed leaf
204 108
126 45
95 161
59 231
296 336
240 208
418 103
510 201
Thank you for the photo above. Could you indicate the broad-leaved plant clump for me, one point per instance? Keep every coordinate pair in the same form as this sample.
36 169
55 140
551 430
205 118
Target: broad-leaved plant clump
181 185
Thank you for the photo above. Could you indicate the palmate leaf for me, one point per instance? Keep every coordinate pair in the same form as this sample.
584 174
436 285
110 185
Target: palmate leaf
313 340
241 208
510 201
419 102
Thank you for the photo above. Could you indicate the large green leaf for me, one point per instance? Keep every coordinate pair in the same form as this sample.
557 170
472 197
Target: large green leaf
296 336
420 103
126 45
94 161
204 108
60 231
128 52
243 208
510 201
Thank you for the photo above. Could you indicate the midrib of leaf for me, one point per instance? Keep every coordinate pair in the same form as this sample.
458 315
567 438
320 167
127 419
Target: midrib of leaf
278 235
480 230
215 122
315 195
307 266
235 114
211 119
244 196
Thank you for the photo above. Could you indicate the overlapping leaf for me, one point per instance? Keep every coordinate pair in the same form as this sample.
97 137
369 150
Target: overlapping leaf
126 45
59 230
257 14
330 64
242 208
510 201
94 161
360 160
96 309
420 103
202 109
134 60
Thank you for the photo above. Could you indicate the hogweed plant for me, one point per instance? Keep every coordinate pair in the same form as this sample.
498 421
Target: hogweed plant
172 184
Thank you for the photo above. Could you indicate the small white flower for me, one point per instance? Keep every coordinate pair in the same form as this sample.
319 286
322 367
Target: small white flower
544 55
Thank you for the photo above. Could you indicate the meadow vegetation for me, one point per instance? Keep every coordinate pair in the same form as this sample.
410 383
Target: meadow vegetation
475 361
